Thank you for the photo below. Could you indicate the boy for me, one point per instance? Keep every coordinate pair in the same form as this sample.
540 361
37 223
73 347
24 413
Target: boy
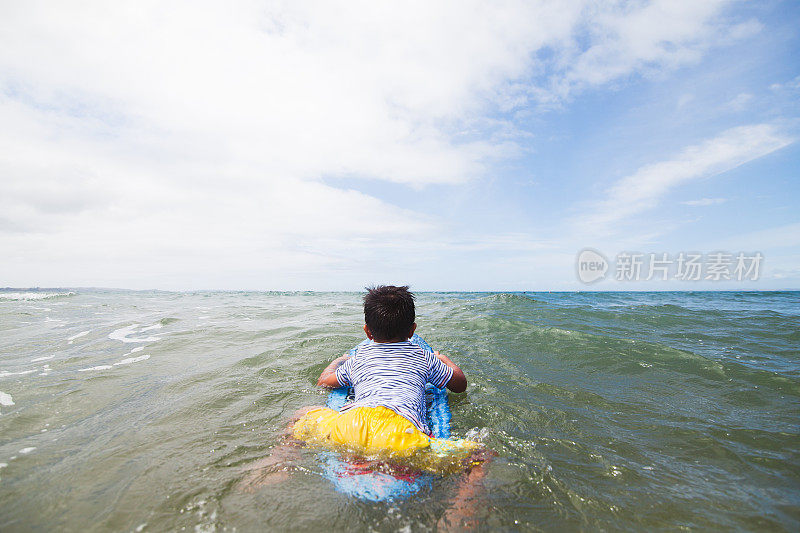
388 376
388 412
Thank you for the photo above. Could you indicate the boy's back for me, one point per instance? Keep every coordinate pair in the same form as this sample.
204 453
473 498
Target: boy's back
393 375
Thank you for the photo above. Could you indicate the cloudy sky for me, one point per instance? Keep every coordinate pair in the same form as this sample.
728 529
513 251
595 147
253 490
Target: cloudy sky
448 145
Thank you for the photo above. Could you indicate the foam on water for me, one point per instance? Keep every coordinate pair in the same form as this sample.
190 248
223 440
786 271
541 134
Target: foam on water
130 360
93 368
78 335
6 373
6 399
121 362
33 295
122 334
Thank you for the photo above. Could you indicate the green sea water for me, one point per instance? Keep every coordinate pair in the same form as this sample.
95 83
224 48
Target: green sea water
140 411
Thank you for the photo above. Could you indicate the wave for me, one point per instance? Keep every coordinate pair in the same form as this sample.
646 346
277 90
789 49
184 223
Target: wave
512 297
33 295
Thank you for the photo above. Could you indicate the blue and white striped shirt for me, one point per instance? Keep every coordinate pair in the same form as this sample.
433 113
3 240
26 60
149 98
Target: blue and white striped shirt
393 375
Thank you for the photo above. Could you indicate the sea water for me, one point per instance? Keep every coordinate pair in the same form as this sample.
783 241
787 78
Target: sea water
141 411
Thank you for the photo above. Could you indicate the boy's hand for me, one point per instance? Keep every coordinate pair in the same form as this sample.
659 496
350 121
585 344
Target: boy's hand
328 376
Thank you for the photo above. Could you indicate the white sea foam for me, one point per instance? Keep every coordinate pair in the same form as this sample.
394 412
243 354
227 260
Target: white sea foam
3 465
130 360
137 349
25 451
121 334
148 328
79 335
99 367
32 295
45 358
6 373
6 399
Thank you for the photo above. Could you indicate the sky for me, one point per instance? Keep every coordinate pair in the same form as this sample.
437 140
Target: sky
445 145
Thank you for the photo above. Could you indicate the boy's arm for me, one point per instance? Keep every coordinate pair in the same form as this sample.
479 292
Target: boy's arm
328 376
457 383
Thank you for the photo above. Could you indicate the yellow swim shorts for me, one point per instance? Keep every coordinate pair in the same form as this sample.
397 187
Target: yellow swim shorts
378 431
369 430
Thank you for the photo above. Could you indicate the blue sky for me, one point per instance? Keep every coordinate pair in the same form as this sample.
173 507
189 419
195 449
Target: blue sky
448 146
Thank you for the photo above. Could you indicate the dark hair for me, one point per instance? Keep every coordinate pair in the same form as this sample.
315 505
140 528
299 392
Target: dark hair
389 312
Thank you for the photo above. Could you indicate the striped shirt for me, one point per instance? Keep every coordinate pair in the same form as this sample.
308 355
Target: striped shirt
393 375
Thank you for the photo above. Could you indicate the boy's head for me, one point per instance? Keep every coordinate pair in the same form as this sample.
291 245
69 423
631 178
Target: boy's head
389 313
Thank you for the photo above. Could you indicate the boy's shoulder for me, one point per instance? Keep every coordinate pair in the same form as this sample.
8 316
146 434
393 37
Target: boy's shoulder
396 348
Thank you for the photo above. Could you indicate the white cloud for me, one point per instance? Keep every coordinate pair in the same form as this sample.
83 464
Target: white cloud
144 143
790 85
307 90
641 34
739 102
704 202
624 38
643 189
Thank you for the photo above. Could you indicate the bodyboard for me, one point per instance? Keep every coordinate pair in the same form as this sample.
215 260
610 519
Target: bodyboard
361 480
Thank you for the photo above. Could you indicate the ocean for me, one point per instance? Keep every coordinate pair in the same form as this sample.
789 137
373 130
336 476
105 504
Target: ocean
635 411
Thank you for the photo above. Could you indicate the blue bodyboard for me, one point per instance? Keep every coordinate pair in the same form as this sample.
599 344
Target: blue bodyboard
366 483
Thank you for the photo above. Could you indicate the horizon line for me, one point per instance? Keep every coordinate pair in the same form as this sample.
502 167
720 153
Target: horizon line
436 291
